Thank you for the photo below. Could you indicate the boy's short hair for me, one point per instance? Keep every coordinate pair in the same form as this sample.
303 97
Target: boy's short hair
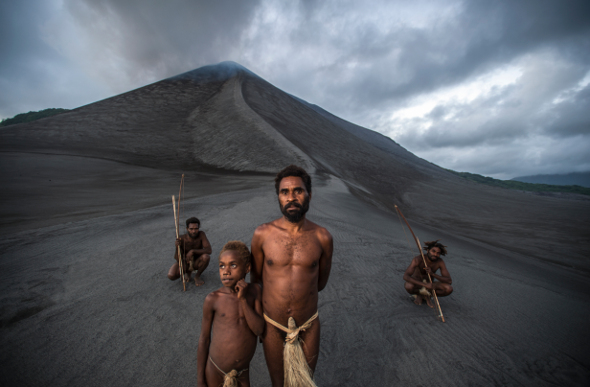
293 170
193 220
239 247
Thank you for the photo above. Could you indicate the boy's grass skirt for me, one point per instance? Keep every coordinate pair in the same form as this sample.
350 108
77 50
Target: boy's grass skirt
230 379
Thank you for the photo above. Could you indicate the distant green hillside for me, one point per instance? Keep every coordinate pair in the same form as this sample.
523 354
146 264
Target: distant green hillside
31 116
512 184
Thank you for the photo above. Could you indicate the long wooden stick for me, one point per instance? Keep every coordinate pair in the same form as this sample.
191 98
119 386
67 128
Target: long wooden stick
180 264
180 190
424 260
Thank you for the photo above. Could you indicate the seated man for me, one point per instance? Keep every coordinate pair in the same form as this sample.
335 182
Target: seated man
416 275
195 249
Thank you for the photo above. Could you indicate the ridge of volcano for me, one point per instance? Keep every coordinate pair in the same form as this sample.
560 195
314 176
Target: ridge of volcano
224 118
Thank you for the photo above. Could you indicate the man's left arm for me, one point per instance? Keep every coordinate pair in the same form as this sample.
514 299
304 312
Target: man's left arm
326 259
257 254
206 246
444 274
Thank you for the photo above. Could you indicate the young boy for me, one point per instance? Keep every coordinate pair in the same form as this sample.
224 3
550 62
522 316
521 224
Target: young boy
232 319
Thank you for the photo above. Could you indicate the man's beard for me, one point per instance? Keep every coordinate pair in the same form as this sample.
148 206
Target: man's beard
433 259
295 216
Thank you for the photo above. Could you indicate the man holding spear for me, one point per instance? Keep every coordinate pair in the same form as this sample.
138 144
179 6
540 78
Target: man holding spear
424 266
194 248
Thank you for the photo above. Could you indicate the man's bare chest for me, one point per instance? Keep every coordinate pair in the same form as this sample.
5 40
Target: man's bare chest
283 249
192 244
434 267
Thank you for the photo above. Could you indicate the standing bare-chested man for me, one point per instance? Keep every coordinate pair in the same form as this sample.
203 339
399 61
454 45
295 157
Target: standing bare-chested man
416 275
292 258
195 249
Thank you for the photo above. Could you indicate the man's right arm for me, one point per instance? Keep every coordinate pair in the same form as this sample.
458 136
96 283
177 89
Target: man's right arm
204 340
410 271
257 255
178 244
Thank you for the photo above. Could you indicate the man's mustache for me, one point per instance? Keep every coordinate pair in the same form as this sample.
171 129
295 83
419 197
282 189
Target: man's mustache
293 204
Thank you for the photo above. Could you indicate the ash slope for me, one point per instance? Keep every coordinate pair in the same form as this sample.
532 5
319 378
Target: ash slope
224 118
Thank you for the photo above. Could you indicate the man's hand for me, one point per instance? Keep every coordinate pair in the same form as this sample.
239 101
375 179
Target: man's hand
428 270
241 287
428 285
178 240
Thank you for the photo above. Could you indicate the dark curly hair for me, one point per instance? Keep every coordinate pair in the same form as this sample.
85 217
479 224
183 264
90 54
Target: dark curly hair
429 245
193 220
239 247
293 170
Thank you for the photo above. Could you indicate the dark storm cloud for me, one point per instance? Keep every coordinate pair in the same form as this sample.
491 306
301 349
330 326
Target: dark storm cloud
363 61
570 117
155 39
31 73
535 106
70 53
405 60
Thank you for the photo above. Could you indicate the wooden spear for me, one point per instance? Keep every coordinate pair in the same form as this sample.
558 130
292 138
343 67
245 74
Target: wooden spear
176 226
424 260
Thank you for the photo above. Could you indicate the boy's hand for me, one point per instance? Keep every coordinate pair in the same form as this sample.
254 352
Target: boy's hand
241 287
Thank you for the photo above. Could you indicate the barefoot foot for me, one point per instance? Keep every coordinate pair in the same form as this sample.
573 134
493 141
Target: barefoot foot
417 299
429 302
198 280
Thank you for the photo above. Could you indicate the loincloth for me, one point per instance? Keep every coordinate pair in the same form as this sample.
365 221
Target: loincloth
230 379
188 264
423 291
297 371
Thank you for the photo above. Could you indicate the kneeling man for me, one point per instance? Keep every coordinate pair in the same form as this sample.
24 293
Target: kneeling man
416 275
292 258
195 249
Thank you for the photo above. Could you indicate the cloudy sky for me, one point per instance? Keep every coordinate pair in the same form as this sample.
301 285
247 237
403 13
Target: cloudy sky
499 88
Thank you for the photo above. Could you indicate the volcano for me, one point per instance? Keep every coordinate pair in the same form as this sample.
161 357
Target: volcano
87 235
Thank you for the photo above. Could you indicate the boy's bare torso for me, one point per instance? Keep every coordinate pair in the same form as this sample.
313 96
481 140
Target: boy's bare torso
232 341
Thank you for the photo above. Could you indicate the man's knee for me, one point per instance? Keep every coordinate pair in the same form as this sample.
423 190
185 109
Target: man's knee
174 272
449 289
446 290
203 260
409 287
